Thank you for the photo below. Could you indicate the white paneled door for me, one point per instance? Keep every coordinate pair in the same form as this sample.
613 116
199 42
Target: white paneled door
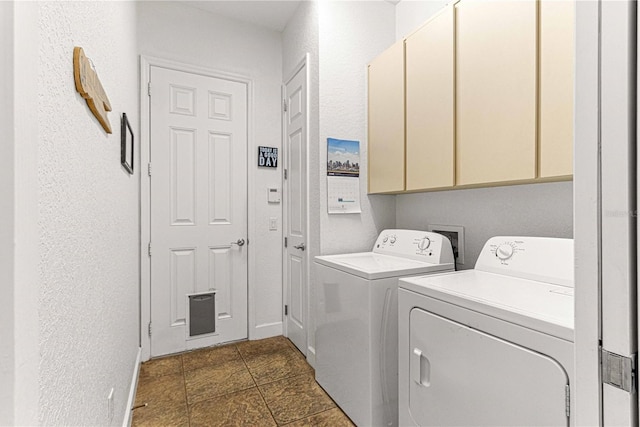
296 261
198 207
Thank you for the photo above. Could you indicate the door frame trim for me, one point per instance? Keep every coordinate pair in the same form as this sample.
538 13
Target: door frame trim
304 62
146 62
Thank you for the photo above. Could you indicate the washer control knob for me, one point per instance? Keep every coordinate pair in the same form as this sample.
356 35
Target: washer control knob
384 239
504 251
392 239
424 243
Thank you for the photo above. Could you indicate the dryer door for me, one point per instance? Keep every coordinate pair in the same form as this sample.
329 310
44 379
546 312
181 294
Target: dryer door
461 376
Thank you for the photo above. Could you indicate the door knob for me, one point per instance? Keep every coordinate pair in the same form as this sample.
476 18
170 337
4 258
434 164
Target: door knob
239 242
300 246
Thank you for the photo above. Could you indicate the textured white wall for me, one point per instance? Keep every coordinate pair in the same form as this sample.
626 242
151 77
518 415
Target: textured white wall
181 33
27 325
87 216
299 38
351 35
411 15
7 317
530 210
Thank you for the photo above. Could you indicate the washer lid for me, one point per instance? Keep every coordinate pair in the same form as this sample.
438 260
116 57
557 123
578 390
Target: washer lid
370 265
540 306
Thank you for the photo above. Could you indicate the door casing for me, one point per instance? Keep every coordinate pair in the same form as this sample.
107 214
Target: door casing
145 190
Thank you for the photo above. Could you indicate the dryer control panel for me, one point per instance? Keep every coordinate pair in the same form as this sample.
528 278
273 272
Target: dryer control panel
415 244
537 258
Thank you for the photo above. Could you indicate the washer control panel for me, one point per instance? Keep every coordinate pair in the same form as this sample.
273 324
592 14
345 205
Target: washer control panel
415 244
537 258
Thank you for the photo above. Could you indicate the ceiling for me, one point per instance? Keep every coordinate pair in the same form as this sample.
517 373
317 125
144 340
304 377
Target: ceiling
270 14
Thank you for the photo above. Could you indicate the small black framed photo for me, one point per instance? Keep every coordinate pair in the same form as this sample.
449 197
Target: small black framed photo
126 144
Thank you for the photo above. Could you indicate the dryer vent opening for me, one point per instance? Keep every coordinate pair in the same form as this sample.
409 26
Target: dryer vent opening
202 314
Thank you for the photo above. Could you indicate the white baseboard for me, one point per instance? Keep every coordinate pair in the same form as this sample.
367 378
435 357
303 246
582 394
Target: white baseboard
128 414
311 356
266 330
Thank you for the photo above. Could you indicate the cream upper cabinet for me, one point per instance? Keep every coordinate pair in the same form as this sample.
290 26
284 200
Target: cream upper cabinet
429 62
496 93
386 121
556 88
484 92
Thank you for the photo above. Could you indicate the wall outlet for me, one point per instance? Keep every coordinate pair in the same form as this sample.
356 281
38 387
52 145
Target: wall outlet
110 408
455 234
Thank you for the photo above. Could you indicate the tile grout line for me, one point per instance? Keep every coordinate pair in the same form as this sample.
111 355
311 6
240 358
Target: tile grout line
227 393
246 365
272 381
150 378
257 387
260 391
307 415
267 405
313 415
186 397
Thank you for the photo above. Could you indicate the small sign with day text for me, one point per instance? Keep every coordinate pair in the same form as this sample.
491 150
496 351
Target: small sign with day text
268 157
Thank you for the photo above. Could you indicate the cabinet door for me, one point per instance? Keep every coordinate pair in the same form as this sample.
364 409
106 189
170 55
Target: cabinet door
495 91
430 104
556 88
386 121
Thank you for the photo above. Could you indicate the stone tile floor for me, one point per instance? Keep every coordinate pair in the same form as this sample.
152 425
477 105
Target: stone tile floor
252 383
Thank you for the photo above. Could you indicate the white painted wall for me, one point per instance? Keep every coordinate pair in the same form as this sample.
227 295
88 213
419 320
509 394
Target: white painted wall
412 14
301 37
26 279
169 30
87 216
7 316
521 210
351 35
75 268
529 210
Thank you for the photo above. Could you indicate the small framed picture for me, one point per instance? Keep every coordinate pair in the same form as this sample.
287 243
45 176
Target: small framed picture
126 144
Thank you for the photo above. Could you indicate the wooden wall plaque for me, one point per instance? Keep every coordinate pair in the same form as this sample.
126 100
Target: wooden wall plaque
89 86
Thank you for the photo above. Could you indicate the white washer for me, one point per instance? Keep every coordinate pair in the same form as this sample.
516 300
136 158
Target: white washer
491 346
357 320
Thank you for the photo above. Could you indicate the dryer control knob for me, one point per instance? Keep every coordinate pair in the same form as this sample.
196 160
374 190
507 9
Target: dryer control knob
424 243
504 251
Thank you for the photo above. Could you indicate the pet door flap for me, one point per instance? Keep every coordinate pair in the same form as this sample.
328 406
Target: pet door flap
202 314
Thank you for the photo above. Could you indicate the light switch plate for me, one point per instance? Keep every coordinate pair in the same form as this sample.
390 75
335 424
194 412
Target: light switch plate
273 223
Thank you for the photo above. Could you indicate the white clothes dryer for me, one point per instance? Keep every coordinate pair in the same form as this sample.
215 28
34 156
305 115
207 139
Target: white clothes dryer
356 338
491 346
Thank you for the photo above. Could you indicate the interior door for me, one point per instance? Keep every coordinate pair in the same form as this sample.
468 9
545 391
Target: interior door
198 206
295 184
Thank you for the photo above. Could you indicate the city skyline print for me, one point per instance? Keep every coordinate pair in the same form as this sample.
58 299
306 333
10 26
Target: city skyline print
343 157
